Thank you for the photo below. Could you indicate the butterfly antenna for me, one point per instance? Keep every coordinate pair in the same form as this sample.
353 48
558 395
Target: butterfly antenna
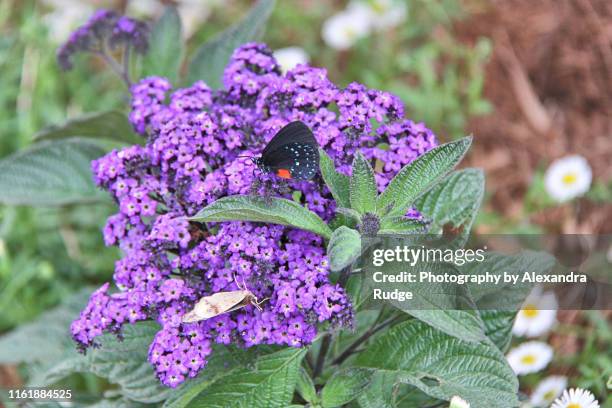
236 281
257 303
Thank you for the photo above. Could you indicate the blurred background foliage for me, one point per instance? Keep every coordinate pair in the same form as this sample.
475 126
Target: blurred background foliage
441 61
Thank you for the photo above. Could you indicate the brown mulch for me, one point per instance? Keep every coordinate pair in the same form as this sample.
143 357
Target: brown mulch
550 82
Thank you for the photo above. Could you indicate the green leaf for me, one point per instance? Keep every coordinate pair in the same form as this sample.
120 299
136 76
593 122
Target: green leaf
273 210
455 200
402 226
306 388
109 125
498 326
344 386
362 184
51 173
166 47
211 58
350 213
443 366
420 175
344 248
269 383
462 324
337 183
121 362
379 393
498 304
46 338
445 306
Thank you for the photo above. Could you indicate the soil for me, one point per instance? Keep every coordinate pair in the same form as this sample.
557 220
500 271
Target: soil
550 82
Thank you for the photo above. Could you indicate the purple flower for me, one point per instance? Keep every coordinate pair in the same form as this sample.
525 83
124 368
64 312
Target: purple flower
195 137
104 27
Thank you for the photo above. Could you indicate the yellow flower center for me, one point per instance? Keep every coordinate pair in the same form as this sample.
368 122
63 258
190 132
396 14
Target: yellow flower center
530 311
550 395
569 178
574 405
528 359
350 33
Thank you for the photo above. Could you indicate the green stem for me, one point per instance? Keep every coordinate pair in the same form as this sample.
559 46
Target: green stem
363 338
115 67
321 357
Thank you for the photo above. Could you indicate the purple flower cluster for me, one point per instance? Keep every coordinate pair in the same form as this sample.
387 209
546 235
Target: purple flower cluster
104 28
194 139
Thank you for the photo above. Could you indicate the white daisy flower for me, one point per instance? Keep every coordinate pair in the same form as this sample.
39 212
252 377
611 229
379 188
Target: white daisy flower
342 30
537 315
192 12
576 398
529 357
383 14
458 402
64 17
567 178
289 57
547 390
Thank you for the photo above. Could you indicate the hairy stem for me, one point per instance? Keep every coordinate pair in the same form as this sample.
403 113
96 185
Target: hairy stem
363 338
114 66
321 357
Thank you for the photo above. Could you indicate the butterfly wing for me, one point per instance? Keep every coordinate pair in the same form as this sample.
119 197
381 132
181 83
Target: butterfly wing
214 305
292 153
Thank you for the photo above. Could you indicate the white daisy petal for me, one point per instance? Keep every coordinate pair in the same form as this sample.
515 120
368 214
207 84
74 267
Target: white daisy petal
576 398
567 178
342 30
289 57
547 390
458 402
383 14
529 357
537 315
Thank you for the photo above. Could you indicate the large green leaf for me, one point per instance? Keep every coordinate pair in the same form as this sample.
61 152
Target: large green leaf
110 125
50 173
344 386
211 58
344 248
420 175
379 393
498 304
269 382
166 46
337 183
498 326
362 185
454 200
306 388
45 339
443 366
446 306
258 209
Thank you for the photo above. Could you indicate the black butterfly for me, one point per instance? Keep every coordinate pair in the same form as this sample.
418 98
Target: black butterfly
291 154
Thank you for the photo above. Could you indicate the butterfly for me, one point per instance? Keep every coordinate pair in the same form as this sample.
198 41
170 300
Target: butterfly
291 154
220 303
